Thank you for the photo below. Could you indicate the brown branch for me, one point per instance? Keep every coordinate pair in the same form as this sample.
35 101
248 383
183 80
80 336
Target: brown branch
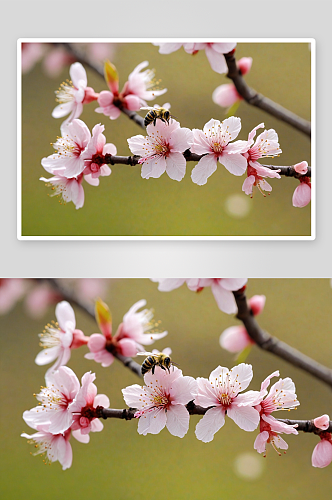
129 414
252 97
70 296
265 341
189 156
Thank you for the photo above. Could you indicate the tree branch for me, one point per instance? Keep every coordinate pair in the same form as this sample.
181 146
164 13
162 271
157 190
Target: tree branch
252 97
129 414
189 156
265 341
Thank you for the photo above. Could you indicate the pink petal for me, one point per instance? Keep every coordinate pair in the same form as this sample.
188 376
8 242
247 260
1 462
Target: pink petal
154 167
96 342
152 422
241 374
224 298
322 454
301 168
216 60
78 75
65 316
47 355
82 438
204 169
302 195
246 417
211 422
235 163
133 396
226 95
248 184
260 441
235 339
177 420
322 422
176 166
257 303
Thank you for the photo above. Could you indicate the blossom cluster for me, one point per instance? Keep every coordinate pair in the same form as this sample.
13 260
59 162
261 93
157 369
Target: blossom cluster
65 408
82 155
162 402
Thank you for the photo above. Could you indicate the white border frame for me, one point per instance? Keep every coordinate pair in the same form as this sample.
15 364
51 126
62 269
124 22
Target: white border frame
310 41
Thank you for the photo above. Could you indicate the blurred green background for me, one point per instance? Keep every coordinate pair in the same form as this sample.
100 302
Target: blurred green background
118 462
125 204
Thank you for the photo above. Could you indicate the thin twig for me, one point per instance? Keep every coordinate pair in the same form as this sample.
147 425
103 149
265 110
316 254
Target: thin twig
129 414
252 97
265 341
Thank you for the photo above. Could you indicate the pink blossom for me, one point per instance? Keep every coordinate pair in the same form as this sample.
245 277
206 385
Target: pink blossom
281 397
221 391
68 161
236 338
84 409
266 145
11 291
322 454
302 194
213 143
55 398
67 189
106 101
226 95
97 147
221 288
73 94
55 446
162 150
161 402
214 52
141 84
59 338
136 91
134 331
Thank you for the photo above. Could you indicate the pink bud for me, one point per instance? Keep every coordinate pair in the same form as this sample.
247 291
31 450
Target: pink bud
257 303
79 339
226 95
90 95
322 454
244 65
127 347
235 339
322 422
302 195
301 168
132 102
96 342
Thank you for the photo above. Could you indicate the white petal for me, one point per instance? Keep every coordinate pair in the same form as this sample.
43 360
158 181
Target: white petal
212 421
246 417
204 169
177 420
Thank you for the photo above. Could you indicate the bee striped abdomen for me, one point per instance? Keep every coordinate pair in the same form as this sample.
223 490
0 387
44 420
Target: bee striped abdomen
149 363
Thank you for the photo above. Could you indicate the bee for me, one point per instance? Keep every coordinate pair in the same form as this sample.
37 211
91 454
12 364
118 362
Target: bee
156 113
155 359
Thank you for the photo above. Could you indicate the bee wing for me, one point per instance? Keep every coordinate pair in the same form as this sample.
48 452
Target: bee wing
148 107
144 354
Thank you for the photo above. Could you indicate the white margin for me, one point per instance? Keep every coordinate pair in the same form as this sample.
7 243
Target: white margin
310 41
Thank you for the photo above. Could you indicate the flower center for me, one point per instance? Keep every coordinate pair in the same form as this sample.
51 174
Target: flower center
50 336
65 146
225 399
65 93
217 147
160 400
